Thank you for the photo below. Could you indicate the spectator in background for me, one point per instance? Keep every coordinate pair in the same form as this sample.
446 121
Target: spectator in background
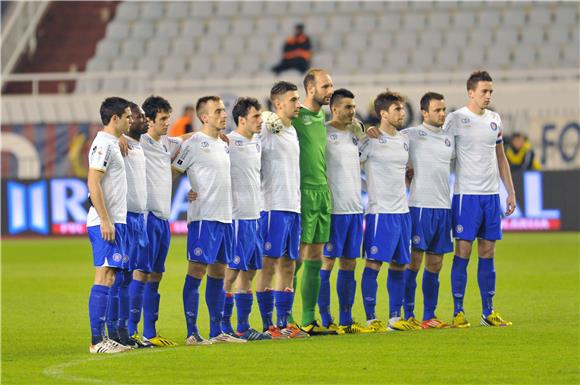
184 124
520 154
297 52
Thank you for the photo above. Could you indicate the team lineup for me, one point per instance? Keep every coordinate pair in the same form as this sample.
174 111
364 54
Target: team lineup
282 192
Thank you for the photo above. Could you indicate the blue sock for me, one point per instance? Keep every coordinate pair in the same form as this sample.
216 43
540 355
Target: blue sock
228 310
150 309
396 289
98 300
113 307
135 304
344 288
283 307
324 297
430 294
369 292
215 299
266 305
410 278
124 303
458 282
191 303
244 303
486 281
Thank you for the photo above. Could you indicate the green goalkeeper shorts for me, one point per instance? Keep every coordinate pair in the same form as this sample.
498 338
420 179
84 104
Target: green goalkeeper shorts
316 210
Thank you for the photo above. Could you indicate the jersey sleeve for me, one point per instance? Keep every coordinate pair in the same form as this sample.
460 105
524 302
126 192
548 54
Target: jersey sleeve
364 149
100 156
450 125
185 157
499 138
173 145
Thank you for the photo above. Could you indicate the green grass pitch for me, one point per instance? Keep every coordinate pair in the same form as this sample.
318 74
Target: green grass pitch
45 329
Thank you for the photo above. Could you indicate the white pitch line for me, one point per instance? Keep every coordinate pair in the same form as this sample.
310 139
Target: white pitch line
58 371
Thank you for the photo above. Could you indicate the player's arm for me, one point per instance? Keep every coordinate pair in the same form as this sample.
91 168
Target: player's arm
123 145
506 177
97 199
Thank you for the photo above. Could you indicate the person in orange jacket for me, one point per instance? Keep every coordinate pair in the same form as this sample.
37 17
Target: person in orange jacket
297 52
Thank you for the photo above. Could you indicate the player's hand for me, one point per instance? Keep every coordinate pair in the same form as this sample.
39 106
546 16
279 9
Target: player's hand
224 137
409 173
191 195
108 231
373 132
510 204
123 146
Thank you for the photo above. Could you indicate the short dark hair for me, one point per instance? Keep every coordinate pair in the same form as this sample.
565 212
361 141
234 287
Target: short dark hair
280 88
426 99
243 106
384 100
154 104
340 94
476 77
311 76
201 102
112 106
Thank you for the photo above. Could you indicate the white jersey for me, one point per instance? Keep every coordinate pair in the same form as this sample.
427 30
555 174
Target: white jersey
207 163
106 157
431 151
158 155
245 158
280 169
385 163
476 169
343 171
136 177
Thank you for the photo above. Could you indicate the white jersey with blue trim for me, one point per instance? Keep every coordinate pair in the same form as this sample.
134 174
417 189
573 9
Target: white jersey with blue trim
431 151
105 156
136 177
158 155
207 163
476 136
246 160
280 169
385 163
343 170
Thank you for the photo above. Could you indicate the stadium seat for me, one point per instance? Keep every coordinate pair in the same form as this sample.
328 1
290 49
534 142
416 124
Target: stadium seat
376 7
346 63
261 44
208 46
248 65
372 61
331 42
355 41
142 29
108 48
123 64
221 67
158 47
183 47
498 57
549 56
558 34
168 29
439 20
406 39
234 45
539 15
243 27
251 8
414 21
114 85
275 8
201 9
381 42
388 22
339 24
397 60
117 30
566 14
128 11
315 25
323 7
532 35
299 8
480 37
472 57
524 57
98 64
152 11
506 37
267 26
150 65
227 8
199 67
570 56
464 19
323 60
133 48
447 59
431 39
364 23
349 7
456 38
514 16
488 18
193 28
422 60
218 27
170 67
177 10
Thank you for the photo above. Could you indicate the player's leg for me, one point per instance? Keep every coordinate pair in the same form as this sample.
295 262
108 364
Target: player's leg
421 222
124 303
139 258
113 307
311 255
410 279
230 279
430 286
136 289
193 278
264 291
324 292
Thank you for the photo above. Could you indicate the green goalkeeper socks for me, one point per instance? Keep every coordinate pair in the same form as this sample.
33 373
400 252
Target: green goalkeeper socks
309 290
295 287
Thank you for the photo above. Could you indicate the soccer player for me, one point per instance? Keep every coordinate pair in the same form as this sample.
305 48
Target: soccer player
159 149
280 222
431 151
205 158
315 194
387 236
346 225
480 163
245 158
106 220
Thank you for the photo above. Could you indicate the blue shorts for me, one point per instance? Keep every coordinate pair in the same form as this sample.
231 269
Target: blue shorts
476 216
247 245
431 230
281 234
388 238
159 236
346 232
109 254
210 242
137 243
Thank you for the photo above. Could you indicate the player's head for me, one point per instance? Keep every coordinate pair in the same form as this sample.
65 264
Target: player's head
115 113
157 111
390 108
433 109
246 113
211 111
318 86
286 100
139 124
188 111
479 89
343 106
517 141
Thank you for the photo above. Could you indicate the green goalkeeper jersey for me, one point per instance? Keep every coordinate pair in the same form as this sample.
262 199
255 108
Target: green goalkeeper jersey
312 138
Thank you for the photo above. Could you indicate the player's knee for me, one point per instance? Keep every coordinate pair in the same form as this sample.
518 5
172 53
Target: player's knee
347 264
327 263
155 277
433 266
196 270
140 276
397 266
375 265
